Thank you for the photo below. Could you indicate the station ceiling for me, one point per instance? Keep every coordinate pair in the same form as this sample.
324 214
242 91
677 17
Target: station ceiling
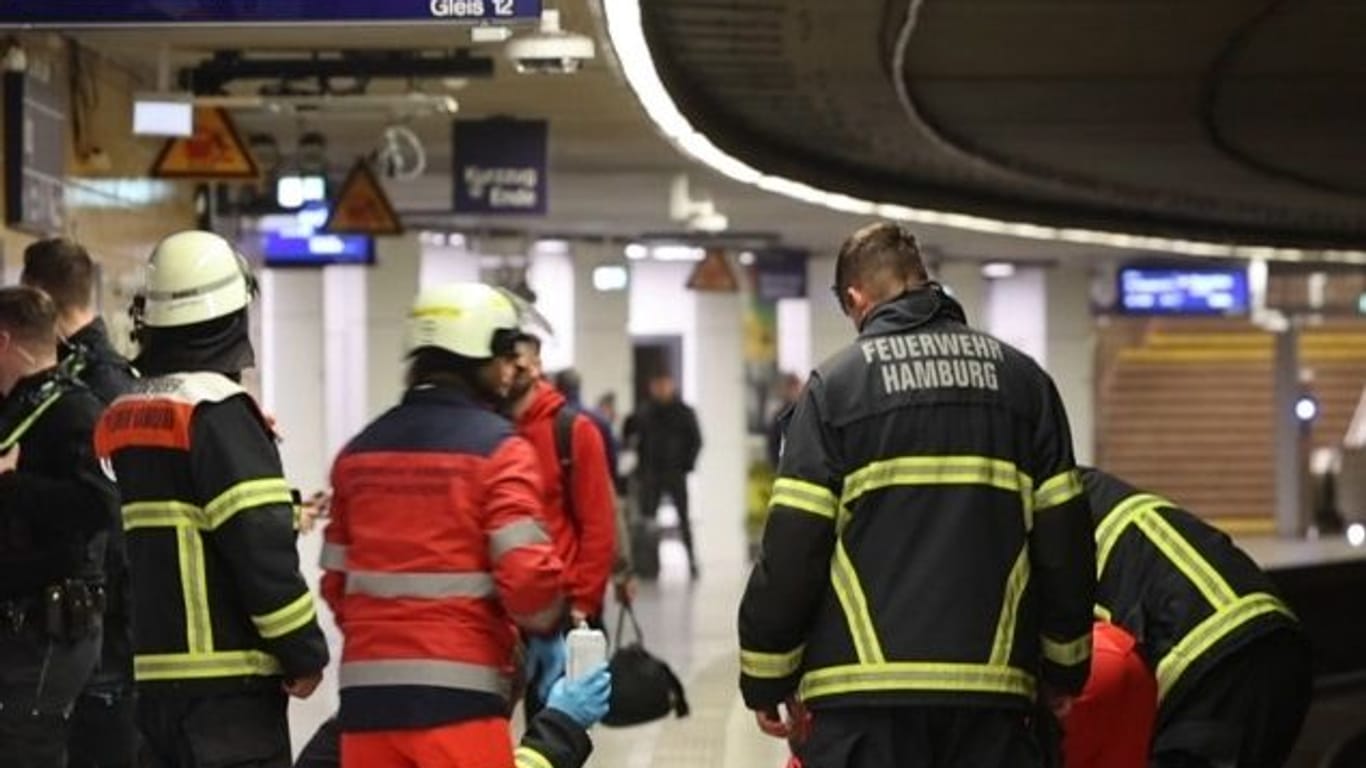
1233 120
1226 120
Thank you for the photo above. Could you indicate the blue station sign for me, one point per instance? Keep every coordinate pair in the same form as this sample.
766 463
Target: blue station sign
71 13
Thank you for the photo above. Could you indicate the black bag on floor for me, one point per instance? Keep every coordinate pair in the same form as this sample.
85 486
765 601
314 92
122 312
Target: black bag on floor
645 548
643 687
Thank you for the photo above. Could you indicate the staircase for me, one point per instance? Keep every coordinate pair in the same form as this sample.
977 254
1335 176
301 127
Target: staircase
1186 410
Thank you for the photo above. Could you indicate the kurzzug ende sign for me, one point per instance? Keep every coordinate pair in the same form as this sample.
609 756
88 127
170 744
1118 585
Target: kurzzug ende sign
68 13
500 166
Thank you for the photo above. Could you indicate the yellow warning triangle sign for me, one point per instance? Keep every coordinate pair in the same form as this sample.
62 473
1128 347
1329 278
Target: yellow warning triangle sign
361 207
214 151
713 273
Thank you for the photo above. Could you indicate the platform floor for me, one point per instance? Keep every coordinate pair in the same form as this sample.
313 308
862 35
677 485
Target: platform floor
692 626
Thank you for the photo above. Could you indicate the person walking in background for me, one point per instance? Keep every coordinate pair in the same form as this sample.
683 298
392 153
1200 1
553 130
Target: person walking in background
607 409
570 384
927 568
225 628
104 729
435 554
667 442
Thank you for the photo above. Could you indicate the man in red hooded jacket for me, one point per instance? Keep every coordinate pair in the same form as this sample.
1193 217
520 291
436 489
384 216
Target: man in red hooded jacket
580 510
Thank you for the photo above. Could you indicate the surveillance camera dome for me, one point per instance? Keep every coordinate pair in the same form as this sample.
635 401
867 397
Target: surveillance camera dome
551 50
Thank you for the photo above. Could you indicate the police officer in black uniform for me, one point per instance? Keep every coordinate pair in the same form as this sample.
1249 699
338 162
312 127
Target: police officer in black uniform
1234 678
104 725
56 510
927 568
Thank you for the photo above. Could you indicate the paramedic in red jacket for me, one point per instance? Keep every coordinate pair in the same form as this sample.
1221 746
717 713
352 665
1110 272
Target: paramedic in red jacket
435 554
580 510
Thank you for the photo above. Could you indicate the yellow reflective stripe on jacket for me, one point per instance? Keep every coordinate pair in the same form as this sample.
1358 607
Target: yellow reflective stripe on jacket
160 514
1058 490
1182 555
771 666
1010 608
244 496
915 676
195 591
855 605
526 757
198 666
808 497
1209 632
287 619
1068 654
1102 613
1115 523
938 470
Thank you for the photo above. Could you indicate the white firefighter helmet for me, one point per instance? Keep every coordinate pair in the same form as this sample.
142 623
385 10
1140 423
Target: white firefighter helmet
468 319
192 277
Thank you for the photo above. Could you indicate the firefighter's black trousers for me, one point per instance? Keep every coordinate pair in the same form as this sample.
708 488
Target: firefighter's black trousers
920 737
246 729
1245 712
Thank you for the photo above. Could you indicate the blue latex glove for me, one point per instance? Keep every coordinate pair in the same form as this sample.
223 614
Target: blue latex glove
586 700
545 659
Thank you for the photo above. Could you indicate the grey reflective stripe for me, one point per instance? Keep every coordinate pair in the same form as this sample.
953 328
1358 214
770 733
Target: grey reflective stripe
425 672
420 585
333 557
514 535
196 291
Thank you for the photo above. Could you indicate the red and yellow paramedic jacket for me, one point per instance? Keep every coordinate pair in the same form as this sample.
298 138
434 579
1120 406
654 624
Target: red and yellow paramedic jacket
434 555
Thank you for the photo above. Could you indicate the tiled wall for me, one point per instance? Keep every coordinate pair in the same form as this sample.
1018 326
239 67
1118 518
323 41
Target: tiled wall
112 207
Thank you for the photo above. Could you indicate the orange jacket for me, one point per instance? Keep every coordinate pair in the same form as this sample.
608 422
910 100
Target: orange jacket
584 530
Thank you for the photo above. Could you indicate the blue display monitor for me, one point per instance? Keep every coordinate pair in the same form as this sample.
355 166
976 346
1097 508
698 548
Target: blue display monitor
1184 290
70 13
293 240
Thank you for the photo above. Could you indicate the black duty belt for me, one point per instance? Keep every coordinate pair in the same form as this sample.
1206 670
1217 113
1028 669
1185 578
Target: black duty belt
69 611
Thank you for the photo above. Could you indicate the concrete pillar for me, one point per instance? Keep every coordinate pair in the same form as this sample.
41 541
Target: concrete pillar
551 275
1290 495
602 340
830 329
346 359
1015 310
794 337
292 371
1069 353
964 281
720 403
390 287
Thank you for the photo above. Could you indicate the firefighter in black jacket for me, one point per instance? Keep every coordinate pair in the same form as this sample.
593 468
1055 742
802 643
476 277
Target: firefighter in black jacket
56 511
1233 668
224 625
927 564
104 724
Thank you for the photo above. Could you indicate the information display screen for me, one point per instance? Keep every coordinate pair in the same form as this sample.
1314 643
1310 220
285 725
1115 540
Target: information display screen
1200 290
294 241
217 12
